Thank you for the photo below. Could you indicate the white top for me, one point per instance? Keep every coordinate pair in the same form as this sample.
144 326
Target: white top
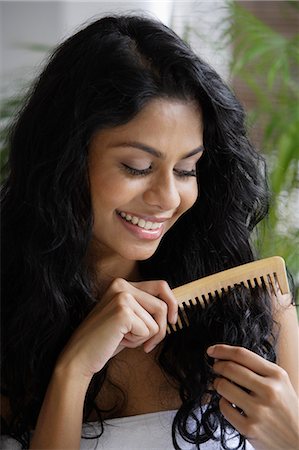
146 431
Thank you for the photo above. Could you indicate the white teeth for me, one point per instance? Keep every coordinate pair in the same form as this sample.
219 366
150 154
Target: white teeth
141 223
156 225
147 225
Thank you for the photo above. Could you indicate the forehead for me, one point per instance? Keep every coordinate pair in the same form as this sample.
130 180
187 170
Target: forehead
170 111
162 123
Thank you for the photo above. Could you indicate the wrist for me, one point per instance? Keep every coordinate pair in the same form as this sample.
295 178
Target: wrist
70 374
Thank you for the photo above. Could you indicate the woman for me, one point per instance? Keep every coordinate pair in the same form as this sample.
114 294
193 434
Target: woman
130 164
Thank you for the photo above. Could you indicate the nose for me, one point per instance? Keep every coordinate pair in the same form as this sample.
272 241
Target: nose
163 192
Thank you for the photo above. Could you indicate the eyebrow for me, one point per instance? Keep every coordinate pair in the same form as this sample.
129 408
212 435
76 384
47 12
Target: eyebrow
155 152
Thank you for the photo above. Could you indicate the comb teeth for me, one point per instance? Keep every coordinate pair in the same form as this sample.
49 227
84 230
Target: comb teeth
269 273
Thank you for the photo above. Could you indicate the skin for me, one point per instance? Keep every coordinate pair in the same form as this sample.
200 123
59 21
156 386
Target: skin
172 128
133 313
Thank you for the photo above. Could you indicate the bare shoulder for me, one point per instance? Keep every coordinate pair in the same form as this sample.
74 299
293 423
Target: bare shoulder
288 340
284 307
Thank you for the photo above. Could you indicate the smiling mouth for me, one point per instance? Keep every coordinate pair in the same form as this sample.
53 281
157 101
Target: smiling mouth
141 223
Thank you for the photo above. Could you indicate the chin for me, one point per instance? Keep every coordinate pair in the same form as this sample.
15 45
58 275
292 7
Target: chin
140 254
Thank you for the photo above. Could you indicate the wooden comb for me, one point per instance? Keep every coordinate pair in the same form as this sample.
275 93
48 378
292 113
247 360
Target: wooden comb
269 272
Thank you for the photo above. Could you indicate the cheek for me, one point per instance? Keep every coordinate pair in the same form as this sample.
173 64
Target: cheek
111 192
189 196
104 188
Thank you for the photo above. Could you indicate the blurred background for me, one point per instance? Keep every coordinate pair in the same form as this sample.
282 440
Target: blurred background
252 44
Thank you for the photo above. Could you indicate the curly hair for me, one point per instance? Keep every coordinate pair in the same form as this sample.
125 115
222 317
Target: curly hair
102 77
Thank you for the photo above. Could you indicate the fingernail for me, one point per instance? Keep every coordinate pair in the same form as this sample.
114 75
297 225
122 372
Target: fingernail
175 318
150 348
211 350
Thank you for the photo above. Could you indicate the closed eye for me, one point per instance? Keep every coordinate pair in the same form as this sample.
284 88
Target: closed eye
142 172
185 173
137 172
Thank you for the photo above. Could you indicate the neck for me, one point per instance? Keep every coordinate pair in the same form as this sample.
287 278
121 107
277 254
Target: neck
107 267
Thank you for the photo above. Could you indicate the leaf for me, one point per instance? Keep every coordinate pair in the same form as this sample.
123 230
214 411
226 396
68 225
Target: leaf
268 63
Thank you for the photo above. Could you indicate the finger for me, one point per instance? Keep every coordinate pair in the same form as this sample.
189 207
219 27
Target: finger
233 416
156 339
148 319
131 341
139 327
240 375
147 293
234 394
154 313
244 357
157 309
161 319
135 319
161 289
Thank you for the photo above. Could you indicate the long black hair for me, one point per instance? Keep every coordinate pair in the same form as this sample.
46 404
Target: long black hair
102 77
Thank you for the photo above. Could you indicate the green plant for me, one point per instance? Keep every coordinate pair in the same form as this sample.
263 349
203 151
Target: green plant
10 104
268 63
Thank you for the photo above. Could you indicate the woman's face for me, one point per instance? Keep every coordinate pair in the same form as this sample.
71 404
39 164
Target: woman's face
142 177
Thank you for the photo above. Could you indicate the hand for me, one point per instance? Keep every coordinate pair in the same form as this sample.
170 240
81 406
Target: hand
268 409
128 315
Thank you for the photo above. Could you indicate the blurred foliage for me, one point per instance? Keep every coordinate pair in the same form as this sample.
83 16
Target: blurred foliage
8 108
268 62
11 104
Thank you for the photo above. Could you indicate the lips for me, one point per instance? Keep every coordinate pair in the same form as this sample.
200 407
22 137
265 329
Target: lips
144 228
